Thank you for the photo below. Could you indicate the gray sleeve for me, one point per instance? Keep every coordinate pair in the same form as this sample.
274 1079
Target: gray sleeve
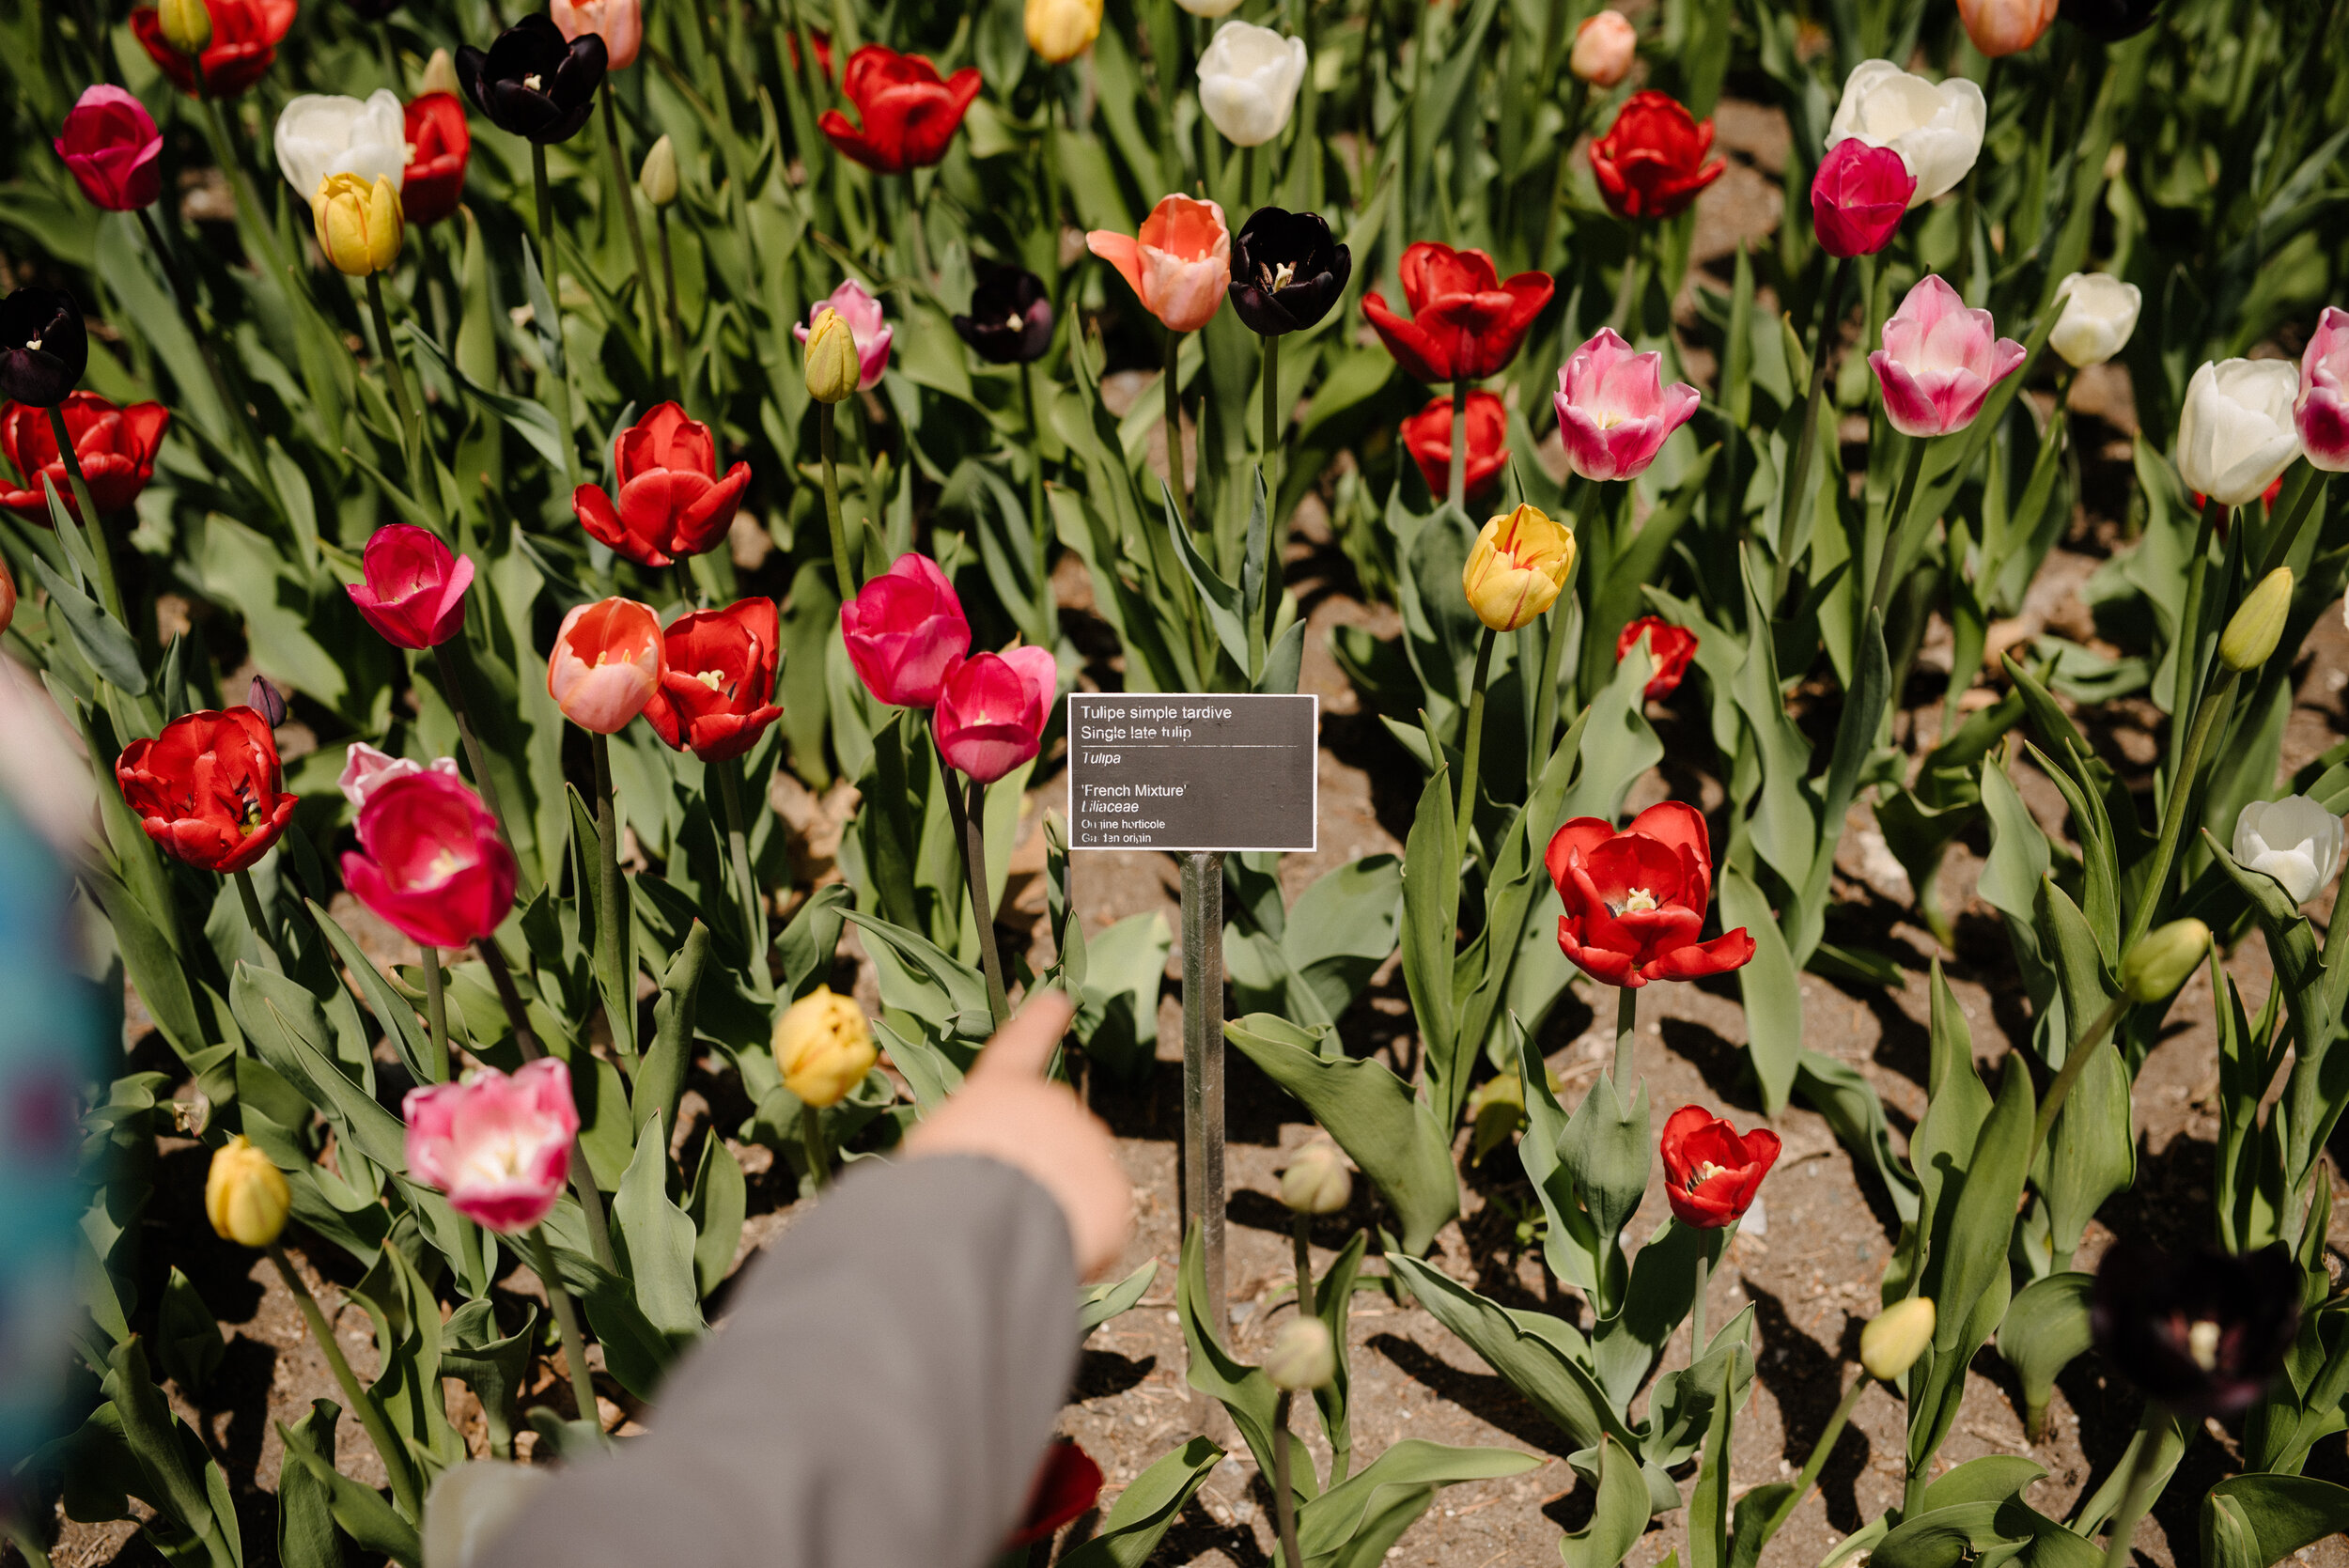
880 1396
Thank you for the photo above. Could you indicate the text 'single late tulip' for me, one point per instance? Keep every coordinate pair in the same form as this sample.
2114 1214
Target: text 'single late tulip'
1011 315
320 135
1428 437
1711 1170
1466 323
364 769
2322 410
1179 266
991 715
672 499
1936 127
823 1047
1615 411
208 789
2099 316
414 589
2295 840
1059 30
499 1146
607 663
2236 434
1248 81
869 329
1858 197
110 143
360 228
2205 1333
442 144
116 448
1604 48
431 862
1939 361
1636 899
534 82
2003 27
909 114
904 632
1651 162
619 23
44 347
717 695
243 45
1287 270
1669 649
1517 567
2109 20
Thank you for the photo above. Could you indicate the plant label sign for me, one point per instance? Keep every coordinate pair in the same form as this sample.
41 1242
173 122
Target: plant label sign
1192 772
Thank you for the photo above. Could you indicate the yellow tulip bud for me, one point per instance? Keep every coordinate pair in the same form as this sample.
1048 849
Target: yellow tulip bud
1059 30
245 1197
186 26
2161 960
1518 567
1893 1340
439 75
823 1047
830 358
1317 1181
1303 1355
658 178
2258 623
359 225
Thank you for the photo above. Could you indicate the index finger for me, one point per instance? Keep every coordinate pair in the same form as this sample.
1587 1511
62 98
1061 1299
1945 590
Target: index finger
1022 1047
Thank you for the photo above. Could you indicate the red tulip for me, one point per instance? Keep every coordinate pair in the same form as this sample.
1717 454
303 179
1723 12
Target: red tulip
1650 162
209 788
245 35
990 717
414 591
110 143
431 861
672 502
906 632
1858 197
909 114
1066 1484
716 696
823 50
1428 437
116 447
1466 323
1634 899
442 141
1711 1171
1670 647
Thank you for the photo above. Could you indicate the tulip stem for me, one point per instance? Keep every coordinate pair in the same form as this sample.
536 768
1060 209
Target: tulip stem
560 370
611 912
436 1013
232 407
1895 530
397 1465
2209 714
1696 1307
411 425
262 933
738 850
812 1140
2075 1063
1546 698
971 823
567 1321
100 551
481 781
668 292
1578 102
1173 385
1284 1492
1626 1027
1039 526
1455 483
828 440
395 78
1301 1232
2135 1499
583 1179
1473 742
2189 633
1628 286
1273 430
1796 496
2287 529
623 191
1809 1477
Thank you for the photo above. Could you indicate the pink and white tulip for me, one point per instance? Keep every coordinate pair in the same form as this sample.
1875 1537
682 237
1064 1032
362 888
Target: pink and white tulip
499 1146
1615 411
853 304
1939 361
431 861
2322 410
364 769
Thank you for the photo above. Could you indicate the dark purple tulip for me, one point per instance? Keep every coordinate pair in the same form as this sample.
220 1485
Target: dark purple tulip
44 347
1286 271
533 81
2205 1333
1011 318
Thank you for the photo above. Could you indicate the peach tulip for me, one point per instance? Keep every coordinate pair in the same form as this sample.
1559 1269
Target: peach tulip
607 663
1180 265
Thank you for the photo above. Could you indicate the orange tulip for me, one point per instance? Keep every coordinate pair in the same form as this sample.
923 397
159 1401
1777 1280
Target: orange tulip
607 663
1180 265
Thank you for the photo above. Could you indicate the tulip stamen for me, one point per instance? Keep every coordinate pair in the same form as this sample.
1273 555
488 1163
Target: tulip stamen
1284 273
534 82
1705 1172
1015 322
32 345
711 678
2202 1343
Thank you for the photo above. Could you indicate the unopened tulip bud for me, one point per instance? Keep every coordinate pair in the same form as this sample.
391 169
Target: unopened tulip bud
1303 1356
830 356
185 25
439 75
266 700
1317 1180
245 1197
359 225
1604 48
1893 1340
823 1047
2162 959
2258 623
658 178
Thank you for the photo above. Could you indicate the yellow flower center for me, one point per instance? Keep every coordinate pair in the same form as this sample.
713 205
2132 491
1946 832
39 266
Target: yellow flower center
2202 1343
1639 903
445 865
533 83
1705 1172
32 345
709 677
1284 273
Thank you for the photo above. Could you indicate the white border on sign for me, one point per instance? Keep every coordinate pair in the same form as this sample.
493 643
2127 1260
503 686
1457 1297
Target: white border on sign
1068 784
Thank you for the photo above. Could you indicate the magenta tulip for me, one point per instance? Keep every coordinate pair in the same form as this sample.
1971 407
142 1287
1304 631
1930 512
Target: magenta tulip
431 861
414 591
992 716
1858 197
110 143
2322 411
500 1147
1939 361
906 632
1615 411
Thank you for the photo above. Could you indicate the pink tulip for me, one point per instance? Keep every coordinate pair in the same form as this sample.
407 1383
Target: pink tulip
1179 265
110 143
607 662
1615 411
2323 408
991 717
1858 197
866 325
414 591
499 1146
1939 361
430 861
364 769
619 23
906 632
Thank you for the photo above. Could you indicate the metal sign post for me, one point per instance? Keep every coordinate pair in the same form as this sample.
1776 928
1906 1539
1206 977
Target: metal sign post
1203 1069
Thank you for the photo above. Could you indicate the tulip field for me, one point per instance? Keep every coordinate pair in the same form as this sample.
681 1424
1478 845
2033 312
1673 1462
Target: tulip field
543 558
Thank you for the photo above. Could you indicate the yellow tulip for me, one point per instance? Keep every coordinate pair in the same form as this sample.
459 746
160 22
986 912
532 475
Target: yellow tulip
823 1047
359 225
245 1197
1895 1337
1059 30
1518 567
830 358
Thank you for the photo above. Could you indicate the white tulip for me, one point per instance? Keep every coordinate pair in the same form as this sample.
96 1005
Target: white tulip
1209 8
2099 314
2294 839
1248 82
319 134
1936 127
2235 434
